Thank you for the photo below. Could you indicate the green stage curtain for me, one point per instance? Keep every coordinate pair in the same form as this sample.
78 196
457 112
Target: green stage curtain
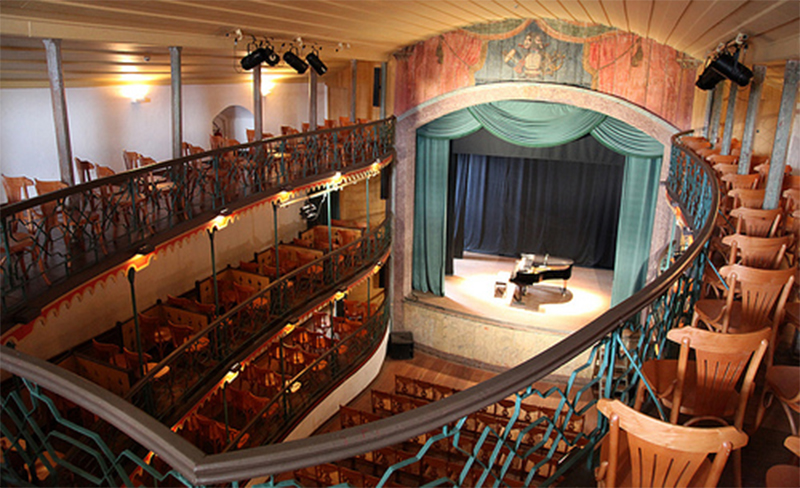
536 124
639 194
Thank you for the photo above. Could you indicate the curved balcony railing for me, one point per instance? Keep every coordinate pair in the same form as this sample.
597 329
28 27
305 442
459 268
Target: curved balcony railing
610 350
52 238
205 358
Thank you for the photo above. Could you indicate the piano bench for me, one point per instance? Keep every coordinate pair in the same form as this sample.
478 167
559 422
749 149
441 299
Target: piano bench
500 283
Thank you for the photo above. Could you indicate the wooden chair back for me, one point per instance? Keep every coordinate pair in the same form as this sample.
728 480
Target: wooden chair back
644 451
744 197
216 142
131 159
180 333
763 292
50 211
791 182
716 159
721 361
757 252
735 181
104 351
725 169
16 188
132 358
103 171
85 169
757 222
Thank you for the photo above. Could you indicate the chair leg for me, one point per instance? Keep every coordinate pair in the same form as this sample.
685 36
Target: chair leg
737 467
763 403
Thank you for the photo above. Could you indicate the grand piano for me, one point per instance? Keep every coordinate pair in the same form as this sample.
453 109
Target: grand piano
533 268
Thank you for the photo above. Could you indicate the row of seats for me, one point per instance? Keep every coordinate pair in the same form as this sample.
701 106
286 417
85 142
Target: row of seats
710 379
530 434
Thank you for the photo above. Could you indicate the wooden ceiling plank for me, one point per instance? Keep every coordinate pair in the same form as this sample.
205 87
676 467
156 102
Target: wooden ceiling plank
595 10
785 48
615 11
700 16
517 9
503 10
534 9
639 16
727 28
556 10
577 11
666 16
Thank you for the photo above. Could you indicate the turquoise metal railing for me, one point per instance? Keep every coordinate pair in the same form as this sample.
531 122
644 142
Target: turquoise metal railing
604 358
53 237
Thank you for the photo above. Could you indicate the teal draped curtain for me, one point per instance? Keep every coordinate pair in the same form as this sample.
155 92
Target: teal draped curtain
536 124
639 194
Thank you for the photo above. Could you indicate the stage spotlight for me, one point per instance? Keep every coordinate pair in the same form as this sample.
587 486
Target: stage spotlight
724 66
708 79
316 63
729 67
295 62
260 55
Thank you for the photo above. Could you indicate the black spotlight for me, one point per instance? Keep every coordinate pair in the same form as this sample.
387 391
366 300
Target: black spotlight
730 68
724 66
260 55
316 63
708 79
295 62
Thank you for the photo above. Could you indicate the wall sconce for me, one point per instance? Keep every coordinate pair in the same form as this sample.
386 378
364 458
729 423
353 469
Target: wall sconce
266 86
136 93
232 374
221 220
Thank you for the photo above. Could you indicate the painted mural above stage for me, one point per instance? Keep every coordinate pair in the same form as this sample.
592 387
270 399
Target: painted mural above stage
649 74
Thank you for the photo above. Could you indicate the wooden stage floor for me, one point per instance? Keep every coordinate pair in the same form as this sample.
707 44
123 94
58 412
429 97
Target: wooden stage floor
471 290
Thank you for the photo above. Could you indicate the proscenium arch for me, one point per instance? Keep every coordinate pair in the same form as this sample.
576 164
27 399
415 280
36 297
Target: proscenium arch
406 144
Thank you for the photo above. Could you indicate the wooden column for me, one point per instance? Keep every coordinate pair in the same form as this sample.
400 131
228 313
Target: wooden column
312 99
59 99
258 111
353 85
716 113
748 138
176 100
777 161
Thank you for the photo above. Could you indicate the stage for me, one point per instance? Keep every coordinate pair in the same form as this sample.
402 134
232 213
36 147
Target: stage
471 291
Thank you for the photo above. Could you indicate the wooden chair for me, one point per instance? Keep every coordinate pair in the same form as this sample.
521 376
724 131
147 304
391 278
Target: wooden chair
763 293
52 214
155 332
781 383
116 202
109 353
16 188
735 181
642 451
132 363
191 305
757 222
182 333
716 159
85 169
743 197
757 252
784 475
706 387
130 159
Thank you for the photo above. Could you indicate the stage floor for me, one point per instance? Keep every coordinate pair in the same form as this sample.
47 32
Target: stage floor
471 290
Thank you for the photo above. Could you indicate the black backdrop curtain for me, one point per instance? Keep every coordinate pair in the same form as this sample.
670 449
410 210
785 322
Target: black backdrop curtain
563 201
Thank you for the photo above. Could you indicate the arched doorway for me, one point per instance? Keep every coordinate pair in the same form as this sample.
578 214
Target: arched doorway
232 123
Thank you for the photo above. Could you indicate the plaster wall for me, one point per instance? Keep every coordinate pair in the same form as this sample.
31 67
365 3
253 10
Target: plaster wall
103 123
